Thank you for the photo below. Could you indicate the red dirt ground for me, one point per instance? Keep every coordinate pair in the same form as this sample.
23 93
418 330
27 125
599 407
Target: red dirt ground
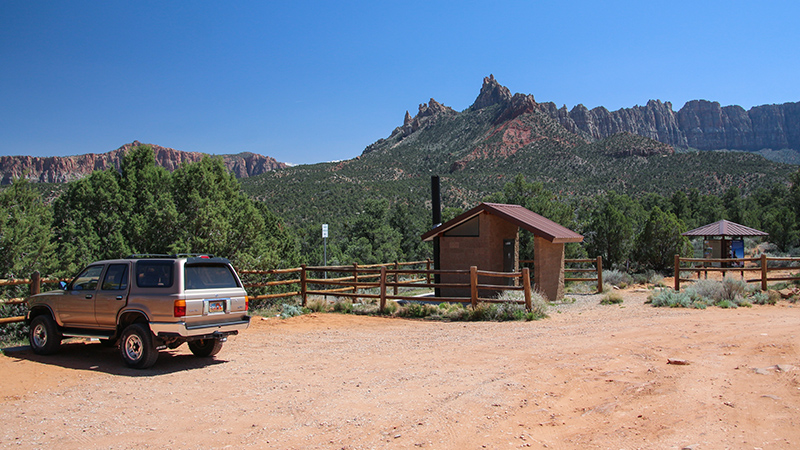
589 377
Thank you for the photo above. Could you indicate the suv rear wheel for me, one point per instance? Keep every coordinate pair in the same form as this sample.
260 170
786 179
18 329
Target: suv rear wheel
43 335
136 346
205 347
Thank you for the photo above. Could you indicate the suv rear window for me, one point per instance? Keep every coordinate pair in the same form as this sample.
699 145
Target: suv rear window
154 274
209 276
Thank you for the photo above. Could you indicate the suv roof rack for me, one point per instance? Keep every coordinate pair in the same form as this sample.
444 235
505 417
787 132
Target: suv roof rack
190 255
174 255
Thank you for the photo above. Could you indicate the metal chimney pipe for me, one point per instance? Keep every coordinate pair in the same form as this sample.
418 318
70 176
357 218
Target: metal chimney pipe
436 201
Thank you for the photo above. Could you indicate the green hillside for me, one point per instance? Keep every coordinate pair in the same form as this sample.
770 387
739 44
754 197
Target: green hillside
476 157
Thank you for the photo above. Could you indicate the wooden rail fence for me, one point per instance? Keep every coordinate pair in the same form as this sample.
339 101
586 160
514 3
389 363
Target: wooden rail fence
361 281
597 270
763 268
380 278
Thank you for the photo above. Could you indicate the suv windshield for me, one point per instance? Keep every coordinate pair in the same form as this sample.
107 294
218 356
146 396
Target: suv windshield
209 276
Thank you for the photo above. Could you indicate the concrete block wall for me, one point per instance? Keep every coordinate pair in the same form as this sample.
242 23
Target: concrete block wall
548 272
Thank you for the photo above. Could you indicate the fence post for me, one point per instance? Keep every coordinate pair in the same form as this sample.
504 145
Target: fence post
303 283
473 286
36 283
355 281
763 271
599 274
383 288
428 269
677 273
396 287
526 286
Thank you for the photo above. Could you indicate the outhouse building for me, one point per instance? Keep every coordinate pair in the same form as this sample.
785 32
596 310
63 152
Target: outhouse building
487 236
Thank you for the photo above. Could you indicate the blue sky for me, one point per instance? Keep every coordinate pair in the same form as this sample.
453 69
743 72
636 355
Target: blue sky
308 81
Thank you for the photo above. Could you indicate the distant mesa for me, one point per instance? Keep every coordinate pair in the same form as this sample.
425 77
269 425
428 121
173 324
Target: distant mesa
58 169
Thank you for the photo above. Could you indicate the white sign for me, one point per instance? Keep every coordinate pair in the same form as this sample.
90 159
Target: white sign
324 230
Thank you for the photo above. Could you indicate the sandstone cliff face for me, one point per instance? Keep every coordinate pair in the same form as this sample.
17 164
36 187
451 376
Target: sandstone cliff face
56 169
699 124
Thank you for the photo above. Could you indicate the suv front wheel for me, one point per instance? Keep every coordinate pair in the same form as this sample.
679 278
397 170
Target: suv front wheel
43 335
136 346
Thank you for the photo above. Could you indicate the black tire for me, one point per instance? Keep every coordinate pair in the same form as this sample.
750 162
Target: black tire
136 346
43 335
205 347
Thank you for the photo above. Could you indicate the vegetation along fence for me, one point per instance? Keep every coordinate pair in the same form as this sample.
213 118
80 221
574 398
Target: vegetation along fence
762 265
581 268
378 281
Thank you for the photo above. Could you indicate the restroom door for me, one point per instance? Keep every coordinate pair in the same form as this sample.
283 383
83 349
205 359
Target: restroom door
509 258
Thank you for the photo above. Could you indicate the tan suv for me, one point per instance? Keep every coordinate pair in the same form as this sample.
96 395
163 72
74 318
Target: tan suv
144 303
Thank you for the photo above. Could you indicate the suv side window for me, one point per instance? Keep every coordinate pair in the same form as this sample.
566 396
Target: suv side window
209 276
154 274
116 278
87 280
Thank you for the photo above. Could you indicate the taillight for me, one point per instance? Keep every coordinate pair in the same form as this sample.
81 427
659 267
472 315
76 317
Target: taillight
180 308
246 303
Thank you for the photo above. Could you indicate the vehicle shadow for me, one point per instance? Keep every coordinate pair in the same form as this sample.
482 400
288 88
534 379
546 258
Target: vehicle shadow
96 357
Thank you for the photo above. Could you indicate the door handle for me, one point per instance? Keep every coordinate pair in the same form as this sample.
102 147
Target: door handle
88 296
119 297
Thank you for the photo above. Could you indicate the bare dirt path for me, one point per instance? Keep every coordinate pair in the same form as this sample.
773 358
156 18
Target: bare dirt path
590 376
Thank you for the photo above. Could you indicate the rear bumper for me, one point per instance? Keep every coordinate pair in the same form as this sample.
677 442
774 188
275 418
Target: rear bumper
184 330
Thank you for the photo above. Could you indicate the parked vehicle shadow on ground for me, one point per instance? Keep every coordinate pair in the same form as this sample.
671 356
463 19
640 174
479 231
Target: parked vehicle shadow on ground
96 357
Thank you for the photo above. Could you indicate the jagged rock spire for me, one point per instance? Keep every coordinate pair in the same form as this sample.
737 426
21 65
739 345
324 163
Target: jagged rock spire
491 93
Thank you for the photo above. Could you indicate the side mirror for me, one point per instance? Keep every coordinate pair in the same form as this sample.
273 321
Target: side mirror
63 285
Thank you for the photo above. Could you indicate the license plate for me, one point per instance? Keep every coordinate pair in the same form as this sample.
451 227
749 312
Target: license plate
216 306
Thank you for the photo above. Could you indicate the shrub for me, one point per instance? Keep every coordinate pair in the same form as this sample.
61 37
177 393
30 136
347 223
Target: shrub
734 290
343 305
655 278
727 304
710 290
731 291
579 287
417 310
13 333
670 298
317 305
617 278
289 310
538 305
612 298
390 308
454 312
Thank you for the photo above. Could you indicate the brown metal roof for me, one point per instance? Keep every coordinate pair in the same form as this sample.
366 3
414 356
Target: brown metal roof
725 228
518 215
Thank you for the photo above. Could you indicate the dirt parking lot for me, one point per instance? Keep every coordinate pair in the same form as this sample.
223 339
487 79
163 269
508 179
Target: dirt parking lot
590 376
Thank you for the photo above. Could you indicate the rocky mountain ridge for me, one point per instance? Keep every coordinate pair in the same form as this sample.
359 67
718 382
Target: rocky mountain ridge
62 169
699 124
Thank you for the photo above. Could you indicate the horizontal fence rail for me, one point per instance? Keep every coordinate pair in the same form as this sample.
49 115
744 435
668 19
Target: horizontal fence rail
597 270
761 265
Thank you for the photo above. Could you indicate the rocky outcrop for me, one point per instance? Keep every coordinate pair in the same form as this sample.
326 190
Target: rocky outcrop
427 112
57 169
492 93
700 124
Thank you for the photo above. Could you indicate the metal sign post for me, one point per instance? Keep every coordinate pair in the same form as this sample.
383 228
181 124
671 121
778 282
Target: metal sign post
325 245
